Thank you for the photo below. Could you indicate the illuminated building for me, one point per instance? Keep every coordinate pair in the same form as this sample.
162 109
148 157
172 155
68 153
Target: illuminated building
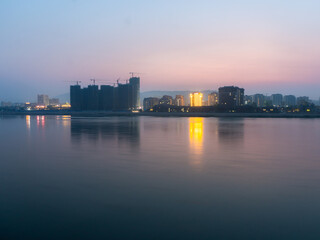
66 105
179 100
43 100
196 99
149 103
213 99
231 96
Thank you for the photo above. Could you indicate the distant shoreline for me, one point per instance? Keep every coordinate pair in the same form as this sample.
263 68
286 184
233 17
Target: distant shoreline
162 114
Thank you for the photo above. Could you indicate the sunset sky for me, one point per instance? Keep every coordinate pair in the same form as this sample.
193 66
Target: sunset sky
263 46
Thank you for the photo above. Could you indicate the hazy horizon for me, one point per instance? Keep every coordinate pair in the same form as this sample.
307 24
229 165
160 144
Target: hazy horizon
263 46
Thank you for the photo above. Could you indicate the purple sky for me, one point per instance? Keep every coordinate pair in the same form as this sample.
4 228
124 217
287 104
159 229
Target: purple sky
263 46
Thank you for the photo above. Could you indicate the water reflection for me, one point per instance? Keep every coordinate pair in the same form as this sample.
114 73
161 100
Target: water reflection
230 131
196 139
41 121
28 121
65 120
123 131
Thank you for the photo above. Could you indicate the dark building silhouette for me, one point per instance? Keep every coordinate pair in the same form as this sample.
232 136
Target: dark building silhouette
106 98
231 96
135 85
91 98
76 97
124 97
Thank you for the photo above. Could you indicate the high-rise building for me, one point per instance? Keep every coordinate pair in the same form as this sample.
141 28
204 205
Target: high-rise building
302 101
289 100
213 99
43 100
276 100
166 99
259 100
248 100
91 97
123 97
196 99
135 88
231 96
76 97
106 98
54 101
179 100
149 103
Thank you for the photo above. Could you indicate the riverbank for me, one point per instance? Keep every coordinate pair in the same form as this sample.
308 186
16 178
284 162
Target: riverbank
162 114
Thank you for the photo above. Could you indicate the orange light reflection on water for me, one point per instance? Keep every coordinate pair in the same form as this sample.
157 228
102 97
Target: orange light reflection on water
28 121
196 139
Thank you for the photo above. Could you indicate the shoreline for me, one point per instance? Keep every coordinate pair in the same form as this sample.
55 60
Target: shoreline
161 114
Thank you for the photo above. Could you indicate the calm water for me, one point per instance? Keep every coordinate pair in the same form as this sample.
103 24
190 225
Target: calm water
159 178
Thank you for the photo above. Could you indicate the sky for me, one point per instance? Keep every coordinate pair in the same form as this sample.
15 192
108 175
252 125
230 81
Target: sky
263 46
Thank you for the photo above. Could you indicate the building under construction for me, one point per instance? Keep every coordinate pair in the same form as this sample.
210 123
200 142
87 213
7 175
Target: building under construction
121 97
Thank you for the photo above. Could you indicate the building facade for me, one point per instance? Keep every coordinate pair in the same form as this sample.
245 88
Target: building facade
149 103
123 97
259 100
179 100
289 100
302 101
231 96
277 100
43 100
196 99
213 99
166 100
134 82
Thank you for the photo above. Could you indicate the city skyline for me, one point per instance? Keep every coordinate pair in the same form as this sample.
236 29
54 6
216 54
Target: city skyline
261 46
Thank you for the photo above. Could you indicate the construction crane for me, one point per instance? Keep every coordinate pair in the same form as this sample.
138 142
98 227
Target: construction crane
75 82
105 81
